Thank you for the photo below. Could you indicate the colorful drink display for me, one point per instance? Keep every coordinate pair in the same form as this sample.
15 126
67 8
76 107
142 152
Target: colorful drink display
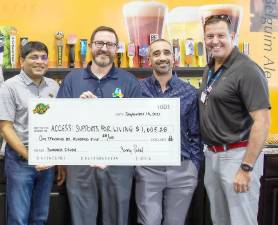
233 11
143 19
184 24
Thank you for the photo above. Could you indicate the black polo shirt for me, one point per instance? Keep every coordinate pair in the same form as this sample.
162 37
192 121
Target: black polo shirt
242 88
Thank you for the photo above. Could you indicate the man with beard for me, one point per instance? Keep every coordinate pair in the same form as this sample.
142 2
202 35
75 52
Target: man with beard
100 194
164 193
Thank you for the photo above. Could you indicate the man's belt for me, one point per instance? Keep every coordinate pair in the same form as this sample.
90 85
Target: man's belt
222 148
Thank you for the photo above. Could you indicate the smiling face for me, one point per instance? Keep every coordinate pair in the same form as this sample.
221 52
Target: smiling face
219 41
161 57
35 64
103 56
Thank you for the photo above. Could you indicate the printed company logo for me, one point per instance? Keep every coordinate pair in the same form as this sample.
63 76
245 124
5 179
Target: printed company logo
40 108
118 93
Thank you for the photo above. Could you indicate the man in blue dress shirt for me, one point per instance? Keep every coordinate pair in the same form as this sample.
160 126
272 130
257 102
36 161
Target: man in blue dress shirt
164 193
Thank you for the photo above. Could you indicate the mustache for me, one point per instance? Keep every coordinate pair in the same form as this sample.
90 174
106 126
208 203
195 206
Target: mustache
101 52
163 61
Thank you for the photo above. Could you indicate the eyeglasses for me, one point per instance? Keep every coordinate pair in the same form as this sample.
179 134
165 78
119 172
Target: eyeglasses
222 17
109 45
37 57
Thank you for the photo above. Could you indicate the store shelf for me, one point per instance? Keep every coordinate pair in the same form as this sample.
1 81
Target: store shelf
181 71
52 72
138 72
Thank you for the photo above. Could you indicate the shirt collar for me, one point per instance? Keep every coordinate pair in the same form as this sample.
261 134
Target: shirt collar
111 74
171 83
28 81
229 61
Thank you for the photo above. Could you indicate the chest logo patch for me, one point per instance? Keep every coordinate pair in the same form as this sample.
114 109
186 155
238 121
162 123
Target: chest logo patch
117 93
40 108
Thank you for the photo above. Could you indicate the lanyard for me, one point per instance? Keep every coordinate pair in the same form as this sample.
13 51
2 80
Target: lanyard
216 78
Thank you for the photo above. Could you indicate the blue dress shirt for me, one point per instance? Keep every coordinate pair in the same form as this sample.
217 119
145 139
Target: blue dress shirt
191 146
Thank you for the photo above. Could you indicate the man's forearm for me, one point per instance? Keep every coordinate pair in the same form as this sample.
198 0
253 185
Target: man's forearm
258 134
13 140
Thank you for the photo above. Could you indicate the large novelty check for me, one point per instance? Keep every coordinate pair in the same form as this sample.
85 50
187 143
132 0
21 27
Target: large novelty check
104 131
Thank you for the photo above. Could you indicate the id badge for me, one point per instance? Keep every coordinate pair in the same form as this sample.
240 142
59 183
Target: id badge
209 89
203 97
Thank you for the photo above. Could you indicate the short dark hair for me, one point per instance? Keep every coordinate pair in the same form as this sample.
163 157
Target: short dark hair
216 19
158 40
33 46
104 28
161 39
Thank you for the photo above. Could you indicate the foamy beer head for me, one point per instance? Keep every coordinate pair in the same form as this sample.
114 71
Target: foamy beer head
142 19
183 22
233 11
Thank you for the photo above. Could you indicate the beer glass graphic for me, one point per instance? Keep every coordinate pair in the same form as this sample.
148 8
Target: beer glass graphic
143 19
233 11
184 23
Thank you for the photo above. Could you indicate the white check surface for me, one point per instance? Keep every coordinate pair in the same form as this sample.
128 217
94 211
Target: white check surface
138 131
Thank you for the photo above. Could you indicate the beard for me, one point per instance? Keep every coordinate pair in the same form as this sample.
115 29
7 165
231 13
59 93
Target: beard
103 58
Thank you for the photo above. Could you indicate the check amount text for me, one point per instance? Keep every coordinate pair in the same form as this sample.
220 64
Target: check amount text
108 128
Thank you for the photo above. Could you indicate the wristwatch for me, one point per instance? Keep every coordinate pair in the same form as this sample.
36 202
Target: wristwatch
245 167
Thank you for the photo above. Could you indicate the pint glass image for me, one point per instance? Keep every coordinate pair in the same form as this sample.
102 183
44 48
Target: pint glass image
142 19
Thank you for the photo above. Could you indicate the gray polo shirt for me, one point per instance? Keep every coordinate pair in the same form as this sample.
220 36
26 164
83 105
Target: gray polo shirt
241 89
14 96
1 76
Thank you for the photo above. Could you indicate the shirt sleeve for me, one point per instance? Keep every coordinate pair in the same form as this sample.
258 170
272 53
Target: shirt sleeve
134 88
65 90
253 89
1 76
136 92
7 103
194 133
